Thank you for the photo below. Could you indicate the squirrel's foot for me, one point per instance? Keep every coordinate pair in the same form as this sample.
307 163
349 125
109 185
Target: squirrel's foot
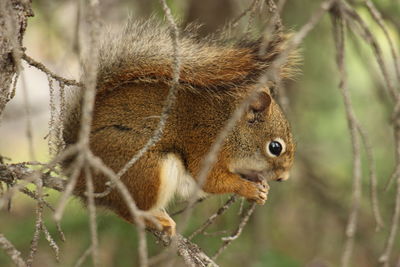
254 191
167 224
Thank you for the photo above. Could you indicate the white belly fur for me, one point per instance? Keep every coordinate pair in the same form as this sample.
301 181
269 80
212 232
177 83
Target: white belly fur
174 180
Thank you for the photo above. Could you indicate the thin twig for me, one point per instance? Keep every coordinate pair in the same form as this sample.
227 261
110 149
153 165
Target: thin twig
242 200
371 40
69 188
83 257
222 232
213 217
92 216
14 87
36 234
252 14
61 117
385 257
235 22
189 207
378 18
372 178
311 23
274 27
228 240
51 241
274 10
91 69
43 68
52 125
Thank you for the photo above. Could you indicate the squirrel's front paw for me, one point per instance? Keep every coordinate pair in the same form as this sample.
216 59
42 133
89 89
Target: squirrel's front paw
254 191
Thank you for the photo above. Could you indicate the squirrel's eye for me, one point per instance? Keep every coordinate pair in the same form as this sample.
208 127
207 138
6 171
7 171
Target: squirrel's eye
276 147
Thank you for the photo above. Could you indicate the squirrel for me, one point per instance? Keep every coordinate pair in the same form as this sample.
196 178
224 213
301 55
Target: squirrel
216 75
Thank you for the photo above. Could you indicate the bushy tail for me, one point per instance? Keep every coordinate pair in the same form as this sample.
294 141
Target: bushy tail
143 52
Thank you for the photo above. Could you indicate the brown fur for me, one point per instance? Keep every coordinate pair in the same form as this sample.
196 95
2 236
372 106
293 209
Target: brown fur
133 82
142 52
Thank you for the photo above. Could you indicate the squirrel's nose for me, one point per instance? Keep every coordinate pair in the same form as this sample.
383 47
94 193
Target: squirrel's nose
282 177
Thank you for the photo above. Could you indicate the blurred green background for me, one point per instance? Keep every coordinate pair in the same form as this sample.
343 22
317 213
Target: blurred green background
304 220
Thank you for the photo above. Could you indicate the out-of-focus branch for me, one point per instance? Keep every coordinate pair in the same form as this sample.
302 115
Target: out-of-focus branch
339 38
14 254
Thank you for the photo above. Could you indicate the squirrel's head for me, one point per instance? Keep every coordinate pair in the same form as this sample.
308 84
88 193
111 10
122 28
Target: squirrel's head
261 142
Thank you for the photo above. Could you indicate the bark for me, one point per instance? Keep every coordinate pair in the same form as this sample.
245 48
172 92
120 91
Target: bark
13 22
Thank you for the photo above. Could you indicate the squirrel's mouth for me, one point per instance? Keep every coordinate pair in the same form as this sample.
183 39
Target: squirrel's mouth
258 176
251 175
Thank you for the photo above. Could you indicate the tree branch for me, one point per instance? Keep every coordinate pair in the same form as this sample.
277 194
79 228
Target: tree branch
190 252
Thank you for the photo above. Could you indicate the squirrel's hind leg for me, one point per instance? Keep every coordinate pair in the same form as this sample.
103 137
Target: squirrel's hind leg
167 224
165 172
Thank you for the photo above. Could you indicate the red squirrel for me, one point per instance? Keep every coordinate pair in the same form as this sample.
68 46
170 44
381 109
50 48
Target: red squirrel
134 76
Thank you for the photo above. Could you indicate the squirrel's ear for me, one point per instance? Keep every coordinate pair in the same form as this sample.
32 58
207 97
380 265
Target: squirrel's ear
261 103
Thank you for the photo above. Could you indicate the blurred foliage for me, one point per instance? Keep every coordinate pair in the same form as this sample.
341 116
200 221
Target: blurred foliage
304 220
